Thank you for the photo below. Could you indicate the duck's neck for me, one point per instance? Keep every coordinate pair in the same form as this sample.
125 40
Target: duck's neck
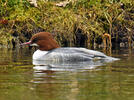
47 49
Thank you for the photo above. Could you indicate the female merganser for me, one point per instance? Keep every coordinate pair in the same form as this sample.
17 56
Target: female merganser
49 50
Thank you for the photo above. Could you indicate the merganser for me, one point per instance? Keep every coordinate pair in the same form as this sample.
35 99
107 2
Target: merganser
49 50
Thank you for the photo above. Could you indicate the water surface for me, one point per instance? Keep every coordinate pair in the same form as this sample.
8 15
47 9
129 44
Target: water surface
20 80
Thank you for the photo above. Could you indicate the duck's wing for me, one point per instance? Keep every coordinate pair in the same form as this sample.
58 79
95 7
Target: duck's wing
74 54
96 54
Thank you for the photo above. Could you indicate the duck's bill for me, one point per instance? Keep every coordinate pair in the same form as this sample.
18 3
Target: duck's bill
26 43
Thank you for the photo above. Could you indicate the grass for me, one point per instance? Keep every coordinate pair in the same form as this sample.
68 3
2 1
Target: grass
92 18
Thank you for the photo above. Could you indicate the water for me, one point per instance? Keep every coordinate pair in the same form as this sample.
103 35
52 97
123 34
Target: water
20 79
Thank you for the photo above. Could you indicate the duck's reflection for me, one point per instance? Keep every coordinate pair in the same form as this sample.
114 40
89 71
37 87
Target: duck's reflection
53 78
67 66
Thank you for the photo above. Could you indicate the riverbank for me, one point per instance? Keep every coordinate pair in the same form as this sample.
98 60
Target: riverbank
78 23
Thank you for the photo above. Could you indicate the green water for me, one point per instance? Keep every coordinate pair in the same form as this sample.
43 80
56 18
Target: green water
20 81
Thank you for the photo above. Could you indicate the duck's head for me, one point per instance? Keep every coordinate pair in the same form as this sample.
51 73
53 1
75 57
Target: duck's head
44 40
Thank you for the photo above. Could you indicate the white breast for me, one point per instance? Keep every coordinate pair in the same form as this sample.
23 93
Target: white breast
39 55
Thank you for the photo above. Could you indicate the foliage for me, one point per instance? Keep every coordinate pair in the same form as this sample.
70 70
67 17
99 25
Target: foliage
92 17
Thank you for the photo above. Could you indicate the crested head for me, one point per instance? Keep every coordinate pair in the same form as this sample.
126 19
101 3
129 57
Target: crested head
44 40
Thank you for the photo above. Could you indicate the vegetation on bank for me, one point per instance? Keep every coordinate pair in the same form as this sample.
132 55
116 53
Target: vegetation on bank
79 23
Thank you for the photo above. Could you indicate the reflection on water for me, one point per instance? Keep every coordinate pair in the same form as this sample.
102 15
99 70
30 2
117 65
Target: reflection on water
67 66
20 80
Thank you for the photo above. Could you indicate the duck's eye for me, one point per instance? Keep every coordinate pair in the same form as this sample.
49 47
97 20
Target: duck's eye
35 40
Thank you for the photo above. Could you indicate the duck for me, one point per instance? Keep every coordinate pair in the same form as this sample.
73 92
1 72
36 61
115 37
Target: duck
50 50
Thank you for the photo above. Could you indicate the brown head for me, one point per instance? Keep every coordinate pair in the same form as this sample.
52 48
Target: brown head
44 40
